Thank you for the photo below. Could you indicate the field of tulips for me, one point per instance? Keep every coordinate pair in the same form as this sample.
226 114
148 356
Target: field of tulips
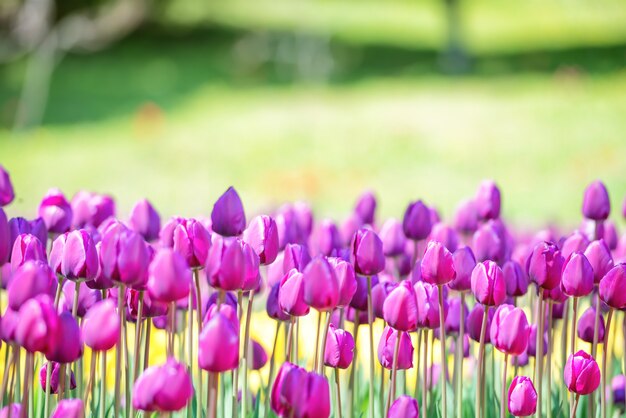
285 315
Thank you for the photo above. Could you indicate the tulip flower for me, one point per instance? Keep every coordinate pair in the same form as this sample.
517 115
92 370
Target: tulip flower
67 344
164 388
56 212
189 238
612 289
427 297
510 330
532 342
218 349
456 308
475 320
417 222
295 256
321 287
515 279
54 377
487 200
38 325
13 410
279 404
228 217
365 207
404 407
346 279
26 247
488 284
124 256
618 392
464 263
446 235
5 237
273 308
101 326
91 209
262 235
339 349
600 259
326 238
392 236
488 244
313 398
545 265
379 294
6 187
576 242
79 260
466 217
386 347
522 399
400 309
69 408
596 202
8 324
367 253
145 220
577 278
20 225
291 294
226 264
259 356
581 375
86 297
31 279
586 324
169 276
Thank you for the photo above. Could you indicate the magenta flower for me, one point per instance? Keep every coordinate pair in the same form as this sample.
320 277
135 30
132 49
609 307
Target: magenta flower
20 225
379 294
437 265
532 342
404 407
280 404
600 259
359 300
326 238
392 236
145 220
464 263
54 377
545 265
386 347
487 200
259 355
510 330
427 296
475 321
577 278
31 279
26 247
400 309
296 256
613 287
522 397
13 410
226 265
91 209
488 244
37 325
365 207
339 350
367 253
69 408
164 388
291 294
67 343
577 242
581 373
169 276
515 279
262 235
218 345
124 256
272 306
596 202
586 324
56 212
417 221
101 326
321 287
228 217
189 238
86 297
346 279
488 284
80 258
6 187
5 237
466 217
446 235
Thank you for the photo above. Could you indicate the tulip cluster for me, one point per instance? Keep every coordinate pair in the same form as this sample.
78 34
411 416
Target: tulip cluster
167 311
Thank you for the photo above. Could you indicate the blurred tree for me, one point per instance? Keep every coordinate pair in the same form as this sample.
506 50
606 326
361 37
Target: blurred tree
43 31
455 59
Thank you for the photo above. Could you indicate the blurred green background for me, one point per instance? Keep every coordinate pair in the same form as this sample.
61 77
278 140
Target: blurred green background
315 99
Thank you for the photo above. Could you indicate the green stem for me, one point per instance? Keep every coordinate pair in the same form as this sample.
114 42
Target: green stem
270 378
503 394
355 332
246 357
337 382
442 340
459 348
481 360
425 373
604 359
323 349
118 352
370 320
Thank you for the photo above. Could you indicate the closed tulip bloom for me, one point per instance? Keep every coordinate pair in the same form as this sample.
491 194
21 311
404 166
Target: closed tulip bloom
510 330
339 350
386 347
475 320
600 258
488 200
556 295
453 318
379 296
577 278
37 325
8 325
226 264
124 256
145 220
313 400
287 225
13 410
545 265
33 278
91 209
54 377
69 408
101 326
262 235
367 253
464 263
558 310
272 306
417 222
151 307
596 202
55 258
581 373
296 256
487 243
437 264
278 403
56 212
427 297
26 247
488 284
613 287
359 300
400 307
218 349
446 235
5 236
532 342
326 238
404 407
67 342
228 217
586 324
466 217
346 279
577 242
321 287
515 279
86 297
169 276
252 277
20 225
522 397
291 294
618 386
6 187
365 207
164 388
392 236
259 355
189 238
80 258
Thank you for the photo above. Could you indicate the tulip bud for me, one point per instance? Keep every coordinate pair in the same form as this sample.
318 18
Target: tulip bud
228 217
67 343
54 377
259 355
522 397
101 326
359 300
400 307
586 324
346 279
404 407
515 279
475 321
86 297
437 264
272 306
291 294
464 263
262 235
453 318
80 258
218 349
165 388
365 207
339 350
38 325
326 238
169 276
596 202
8 325
5 237
487 200
379 295
510 330
26 247
124 256
367 253
613 287
69 408
427 297
6 188
321 287
295 257
581 373
618 392
145 220
488 244
417 222
386 348
31 279
545 265
446 235
189 238
91 209
226 264
56 212
13 410
577 278
532 342
488 284
392 236
577 242
279 404
600 258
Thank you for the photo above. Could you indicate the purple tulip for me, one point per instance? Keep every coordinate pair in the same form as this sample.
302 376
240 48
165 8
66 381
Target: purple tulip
252 276
169 276
417 222
339 350
228 217
5 237
365 207
259 355
488 244
367 253
515 279
618 391
321 287
488 284
464 263
165 388
599 256
346 279
86 297
475 321
510 330
437 264
8 325
26 247
427 297
545 265
522 397
279 404
218 345
392 236
532 342
488 200
6 187
33 278
101 326
577 277
124 256
296 256
151 307
13 410
379 294
79 258
262 235
272 306
453 318
586 324
67 343
291 294
610 234
38 325
91 209
466 217
359 300
145 220
581 373
577 242
613 287
56 212
404 407
400 309
386 348
446 235
326 238
69 408
226 264
596 202
189 238
54 377
19 226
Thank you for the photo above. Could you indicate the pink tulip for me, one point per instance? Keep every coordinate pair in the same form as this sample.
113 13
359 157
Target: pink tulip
56 211
545 265
69 408
367 253
145 220
400 309
386 348
577 279
38 325
262 235
437 265
218 349
339 350
101 326
600 259
165 388
510 330
291 294
522 397
169 276
427 296
26 248
581 373
346 279
488 284
226 265
613 287
464 263
33 278
6 187
54 378
404 407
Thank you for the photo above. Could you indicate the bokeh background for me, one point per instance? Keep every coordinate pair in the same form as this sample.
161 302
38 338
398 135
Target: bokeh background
175 100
